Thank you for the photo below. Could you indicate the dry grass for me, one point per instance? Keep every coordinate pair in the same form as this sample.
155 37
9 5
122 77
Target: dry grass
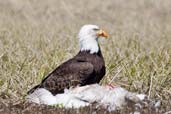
36 36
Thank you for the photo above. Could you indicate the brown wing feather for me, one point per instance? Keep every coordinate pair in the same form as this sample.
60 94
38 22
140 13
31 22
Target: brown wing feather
70 73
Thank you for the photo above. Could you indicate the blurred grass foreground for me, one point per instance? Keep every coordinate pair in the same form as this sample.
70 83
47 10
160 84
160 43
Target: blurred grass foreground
36 36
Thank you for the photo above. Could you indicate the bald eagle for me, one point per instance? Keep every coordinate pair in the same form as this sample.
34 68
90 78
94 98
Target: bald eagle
87 67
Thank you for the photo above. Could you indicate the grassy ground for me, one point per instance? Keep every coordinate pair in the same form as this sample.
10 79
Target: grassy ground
37 36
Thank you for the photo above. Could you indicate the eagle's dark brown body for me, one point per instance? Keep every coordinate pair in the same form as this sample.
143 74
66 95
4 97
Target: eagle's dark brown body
83 69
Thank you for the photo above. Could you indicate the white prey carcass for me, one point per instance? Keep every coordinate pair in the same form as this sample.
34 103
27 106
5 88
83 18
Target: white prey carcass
108 97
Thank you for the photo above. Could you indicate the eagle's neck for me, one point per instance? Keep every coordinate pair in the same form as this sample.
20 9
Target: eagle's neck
89 44
87 54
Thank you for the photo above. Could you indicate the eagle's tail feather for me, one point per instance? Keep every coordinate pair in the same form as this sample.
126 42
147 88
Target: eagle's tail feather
33 89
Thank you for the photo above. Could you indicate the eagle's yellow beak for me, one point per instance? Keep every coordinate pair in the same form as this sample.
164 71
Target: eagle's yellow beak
102 33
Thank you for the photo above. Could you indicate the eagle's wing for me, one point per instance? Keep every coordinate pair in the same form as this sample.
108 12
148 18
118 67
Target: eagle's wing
66 75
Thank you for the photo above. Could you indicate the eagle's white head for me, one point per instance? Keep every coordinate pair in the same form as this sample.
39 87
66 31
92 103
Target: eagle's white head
88 38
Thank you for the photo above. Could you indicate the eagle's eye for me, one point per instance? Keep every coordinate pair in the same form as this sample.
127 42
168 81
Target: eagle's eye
96 29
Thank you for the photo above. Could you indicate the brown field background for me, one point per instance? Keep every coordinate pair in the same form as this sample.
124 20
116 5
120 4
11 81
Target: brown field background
38 35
